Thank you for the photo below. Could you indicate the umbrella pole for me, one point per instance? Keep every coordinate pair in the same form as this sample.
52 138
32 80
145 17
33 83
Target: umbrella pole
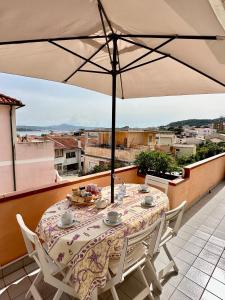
113 136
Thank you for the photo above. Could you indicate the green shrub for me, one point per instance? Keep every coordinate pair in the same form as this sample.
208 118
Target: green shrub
157 162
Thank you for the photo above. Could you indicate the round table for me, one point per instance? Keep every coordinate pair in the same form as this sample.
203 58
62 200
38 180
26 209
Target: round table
88 246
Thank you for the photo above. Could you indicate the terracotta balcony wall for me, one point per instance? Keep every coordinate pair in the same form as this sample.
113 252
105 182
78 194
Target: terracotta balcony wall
198 179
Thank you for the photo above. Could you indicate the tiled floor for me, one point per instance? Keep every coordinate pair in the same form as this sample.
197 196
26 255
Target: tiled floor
198 250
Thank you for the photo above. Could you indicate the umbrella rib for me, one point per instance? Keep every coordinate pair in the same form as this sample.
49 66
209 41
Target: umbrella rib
103 26
121 81
165 36
146 63
178 60
85 59
58 39
97 72
85 62
105 15
148 53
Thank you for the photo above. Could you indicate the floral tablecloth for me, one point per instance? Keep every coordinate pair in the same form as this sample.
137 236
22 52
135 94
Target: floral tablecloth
89 244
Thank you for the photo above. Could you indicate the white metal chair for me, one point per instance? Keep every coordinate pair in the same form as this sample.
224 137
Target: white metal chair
48 269
173 220
136 251
157 182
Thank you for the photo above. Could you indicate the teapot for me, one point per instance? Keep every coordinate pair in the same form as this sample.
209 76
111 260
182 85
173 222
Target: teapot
101 203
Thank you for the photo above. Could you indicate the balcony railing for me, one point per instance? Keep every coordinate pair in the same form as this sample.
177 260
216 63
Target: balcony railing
199 178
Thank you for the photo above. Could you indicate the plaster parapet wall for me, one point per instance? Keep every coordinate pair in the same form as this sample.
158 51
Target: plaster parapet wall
198 179
33 202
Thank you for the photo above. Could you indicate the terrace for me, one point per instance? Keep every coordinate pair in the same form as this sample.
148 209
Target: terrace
198 248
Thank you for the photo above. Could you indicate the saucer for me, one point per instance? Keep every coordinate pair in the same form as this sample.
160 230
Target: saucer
143 204
144 191
60 225
106 222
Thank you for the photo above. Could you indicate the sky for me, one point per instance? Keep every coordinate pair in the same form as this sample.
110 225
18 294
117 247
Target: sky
50 103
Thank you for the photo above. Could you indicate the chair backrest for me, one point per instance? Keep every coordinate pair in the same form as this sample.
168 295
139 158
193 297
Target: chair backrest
157 182
149 237
34 247
175 215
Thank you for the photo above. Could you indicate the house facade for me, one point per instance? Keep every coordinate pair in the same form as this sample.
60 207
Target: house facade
23 165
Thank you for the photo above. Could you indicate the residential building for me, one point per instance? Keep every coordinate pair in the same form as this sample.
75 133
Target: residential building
219 125
25 164
129 142
68 154
183 150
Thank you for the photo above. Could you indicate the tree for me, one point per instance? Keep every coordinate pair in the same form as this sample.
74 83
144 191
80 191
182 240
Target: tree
156 162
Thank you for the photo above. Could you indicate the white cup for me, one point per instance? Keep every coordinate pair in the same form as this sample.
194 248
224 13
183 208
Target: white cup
149 200
113 216
66 218
143 187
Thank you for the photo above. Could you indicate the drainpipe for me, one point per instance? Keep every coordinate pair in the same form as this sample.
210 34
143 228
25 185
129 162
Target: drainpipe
13 150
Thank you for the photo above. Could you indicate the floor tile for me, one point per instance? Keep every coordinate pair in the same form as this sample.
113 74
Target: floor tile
176 279
185 235
178 295
219 274
190 289
14 276
197 241
219 234
204 266
2 284
131 286
213 248
202 235
198 276
217 241
209 296
192 248
206 229
173 249
216 287
4 296
19 287
182 266
31 267
167 292
221 263
178 242
187 228
186 256
209 256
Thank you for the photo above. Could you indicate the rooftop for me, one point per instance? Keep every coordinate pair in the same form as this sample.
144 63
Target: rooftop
63 142
6 100
198 250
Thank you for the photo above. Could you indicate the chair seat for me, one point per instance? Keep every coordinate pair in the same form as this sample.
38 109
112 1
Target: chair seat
134 256
168 234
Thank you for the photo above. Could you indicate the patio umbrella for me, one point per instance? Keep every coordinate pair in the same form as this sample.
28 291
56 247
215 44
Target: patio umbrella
123 48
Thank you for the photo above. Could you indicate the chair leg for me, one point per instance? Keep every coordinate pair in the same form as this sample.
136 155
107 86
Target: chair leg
145 282
171 258
33 291
114 293
157 287
170 265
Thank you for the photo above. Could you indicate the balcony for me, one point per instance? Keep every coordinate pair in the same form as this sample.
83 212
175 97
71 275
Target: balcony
199 247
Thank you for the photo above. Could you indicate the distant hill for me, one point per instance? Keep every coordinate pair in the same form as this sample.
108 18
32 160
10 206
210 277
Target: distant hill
194 122
60 127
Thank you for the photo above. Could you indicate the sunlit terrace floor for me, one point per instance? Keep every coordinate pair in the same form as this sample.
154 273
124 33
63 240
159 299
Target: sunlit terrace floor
199 252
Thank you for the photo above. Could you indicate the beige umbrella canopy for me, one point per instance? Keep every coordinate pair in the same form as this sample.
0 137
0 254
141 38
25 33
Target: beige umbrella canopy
123 48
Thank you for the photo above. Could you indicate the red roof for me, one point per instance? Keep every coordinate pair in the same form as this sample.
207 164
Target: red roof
63 142
9 100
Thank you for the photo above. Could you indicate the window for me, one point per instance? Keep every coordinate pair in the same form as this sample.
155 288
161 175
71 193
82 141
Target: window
70 154
58 152
58 167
